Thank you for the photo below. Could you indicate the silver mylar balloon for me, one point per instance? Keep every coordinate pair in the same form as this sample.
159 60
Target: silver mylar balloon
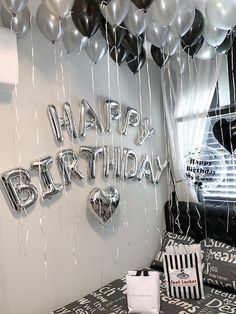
91 153
117 163
68 163
108 162
206 52
146 131
129 156
73 40
112 112
96 47
42 166
145 169
132 118
88 119
49 25
58 123
163 11
19 23
59 8
156 34
15 6
184 18
135 20
21 193
115 11
103 203
213 35
172 44
160 168
221 13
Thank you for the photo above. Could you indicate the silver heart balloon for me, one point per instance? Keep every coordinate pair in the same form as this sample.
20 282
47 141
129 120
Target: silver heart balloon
19 23
96 47
49 25
59 8
73 40
103 203
115 11
15 6
135 20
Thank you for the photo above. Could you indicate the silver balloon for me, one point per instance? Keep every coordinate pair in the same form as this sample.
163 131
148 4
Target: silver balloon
206 52
15 6
132 118
163 11
172 44
103 203
213 35
21 193
179 63
49 25
108 162
221 13
156 34
112 112
145 169
184 18
115 11
117 163
68 163
146 131
57 123
129 156
19 23
160 168
112 161
92 121
42 166
91 153
73 40
96 47
135 20
59 8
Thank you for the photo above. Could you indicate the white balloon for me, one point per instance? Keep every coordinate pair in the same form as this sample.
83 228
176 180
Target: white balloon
163 11
59 8
135 20
115 11
213 35
172 43
179 63
206 52
96 47
221 13
156 34
184 18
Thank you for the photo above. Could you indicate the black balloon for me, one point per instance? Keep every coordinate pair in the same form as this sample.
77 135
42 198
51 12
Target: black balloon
135 63
86 16
192 50
142 4
118 54
226 45
225 133
133 44
159 56
194 33
113 34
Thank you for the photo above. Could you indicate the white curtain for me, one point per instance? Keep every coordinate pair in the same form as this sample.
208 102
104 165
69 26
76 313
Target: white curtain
187 98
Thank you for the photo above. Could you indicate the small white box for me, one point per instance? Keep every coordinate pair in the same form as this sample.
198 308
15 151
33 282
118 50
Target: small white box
8 60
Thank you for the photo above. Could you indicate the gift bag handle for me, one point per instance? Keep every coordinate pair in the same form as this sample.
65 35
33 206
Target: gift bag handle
139 273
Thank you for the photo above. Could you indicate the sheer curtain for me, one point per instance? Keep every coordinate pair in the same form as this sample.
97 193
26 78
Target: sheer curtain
187 98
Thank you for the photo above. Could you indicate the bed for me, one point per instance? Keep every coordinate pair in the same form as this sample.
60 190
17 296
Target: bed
216 223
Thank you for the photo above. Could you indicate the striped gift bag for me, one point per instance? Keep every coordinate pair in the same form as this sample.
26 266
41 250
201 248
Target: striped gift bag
183 271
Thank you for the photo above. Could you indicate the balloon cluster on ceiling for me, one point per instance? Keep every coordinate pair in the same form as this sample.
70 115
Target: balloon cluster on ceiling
202 28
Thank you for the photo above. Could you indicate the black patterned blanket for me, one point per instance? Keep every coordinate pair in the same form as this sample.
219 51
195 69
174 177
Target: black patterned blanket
111 299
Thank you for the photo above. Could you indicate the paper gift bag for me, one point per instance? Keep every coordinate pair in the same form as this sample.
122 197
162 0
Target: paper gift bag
143 292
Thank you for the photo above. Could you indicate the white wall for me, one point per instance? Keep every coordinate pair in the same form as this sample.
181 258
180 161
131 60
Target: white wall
128 241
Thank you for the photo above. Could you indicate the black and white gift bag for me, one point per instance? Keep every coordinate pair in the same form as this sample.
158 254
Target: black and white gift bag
183 271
